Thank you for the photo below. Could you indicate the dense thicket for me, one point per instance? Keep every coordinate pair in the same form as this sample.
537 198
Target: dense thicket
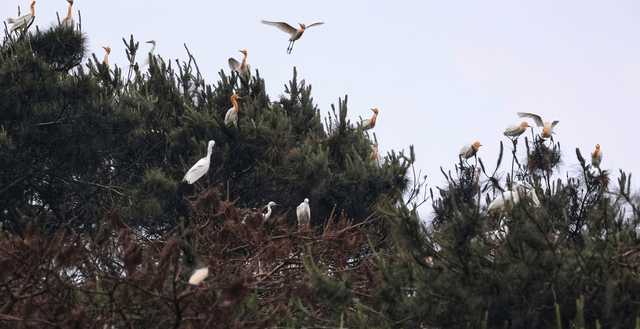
98 229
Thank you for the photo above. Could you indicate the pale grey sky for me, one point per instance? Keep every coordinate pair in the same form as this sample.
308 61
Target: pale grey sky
442 73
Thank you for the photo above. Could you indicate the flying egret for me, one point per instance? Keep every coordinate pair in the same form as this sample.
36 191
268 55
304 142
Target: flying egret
470 150
547 127
201 167
295 33
242 68
232 114
304 214
268 207
68 21
512 197
106 56
24 19
198 274
596 157
516 130
370 123
375 157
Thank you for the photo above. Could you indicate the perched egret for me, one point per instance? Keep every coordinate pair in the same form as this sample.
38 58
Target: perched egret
201 167
243 68
516 130
198 274
68 21
370 123
375 157
145 62
106 56
24 19
547 127
295 33
304 214
512 197
232 114
596 157
470 150
268 207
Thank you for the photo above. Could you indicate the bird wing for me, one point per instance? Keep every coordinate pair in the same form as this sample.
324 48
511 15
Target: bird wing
553 124
233 64
314 24
282 25
198 169
228 116
535 118
512 129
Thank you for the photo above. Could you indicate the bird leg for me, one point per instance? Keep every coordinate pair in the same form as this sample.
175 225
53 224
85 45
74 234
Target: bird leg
290 48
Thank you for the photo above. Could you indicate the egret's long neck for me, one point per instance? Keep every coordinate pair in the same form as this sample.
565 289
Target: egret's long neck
373 118
68 14
235 105
244 61
33 11
152 49
106 59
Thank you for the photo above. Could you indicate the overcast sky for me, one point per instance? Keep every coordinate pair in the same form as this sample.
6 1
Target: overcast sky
442 73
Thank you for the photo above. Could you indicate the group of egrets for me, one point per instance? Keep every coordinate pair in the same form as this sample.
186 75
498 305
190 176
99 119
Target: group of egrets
519 190
25 20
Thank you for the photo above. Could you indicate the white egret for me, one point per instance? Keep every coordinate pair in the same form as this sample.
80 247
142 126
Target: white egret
516 130
304 214
268 207
106 56
511 197
24 19
596 157
243 68
547 127
201 167
68 21
469 150
375 157
531 193
145 62
232 114
198 274
295 33
370 123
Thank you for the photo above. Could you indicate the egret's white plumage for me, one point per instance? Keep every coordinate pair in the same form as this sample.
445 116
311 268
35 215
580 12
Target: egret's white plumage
596 157
244 69
547 127
198 274
145 62
68 21
201 167
375 157
232 114
24 19
304 214
470 150
268 206
530 193
106 56
509 197
295 33
516 130
370 123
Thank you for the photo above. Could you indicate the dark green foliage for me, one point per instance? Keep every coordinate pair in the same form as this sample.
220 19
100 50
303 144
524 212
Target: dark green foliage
579 245
80 141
